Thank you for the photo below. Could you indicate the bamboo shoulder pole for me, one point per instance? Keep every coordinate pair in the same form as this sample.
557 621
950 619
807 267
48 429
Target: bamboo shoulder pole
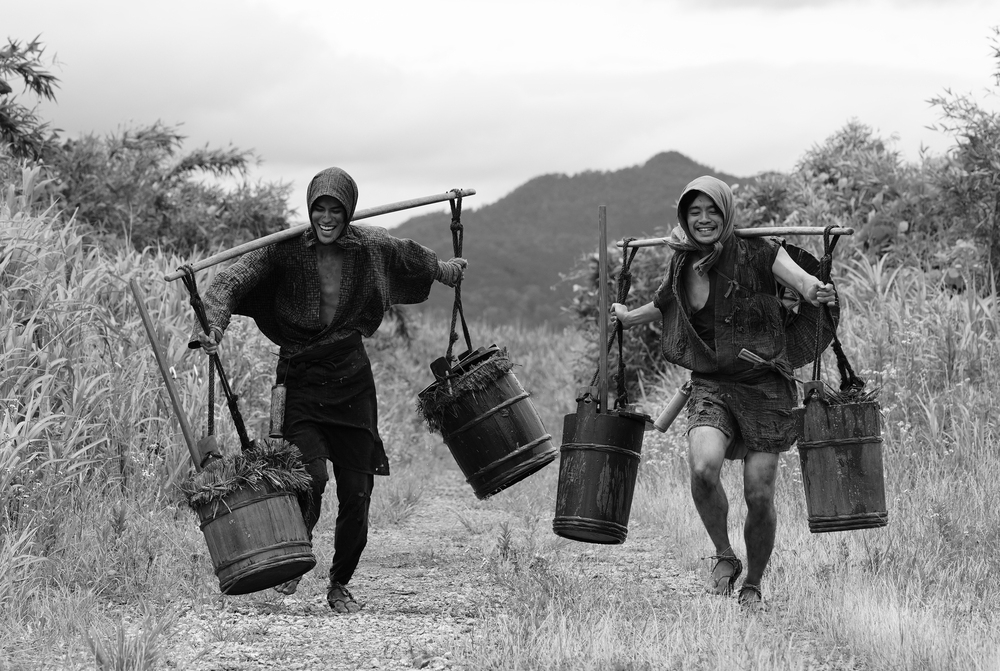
753 233
602 312
287 234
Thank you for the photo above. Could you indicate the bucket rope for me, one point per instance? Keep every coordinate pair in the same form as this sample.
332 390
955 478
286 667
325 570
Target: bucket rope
457 241
624 286
215 363
849 381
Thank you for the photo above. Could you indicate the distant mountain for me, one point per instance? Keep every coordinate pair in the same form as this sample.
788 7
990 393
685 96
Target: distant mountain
518 246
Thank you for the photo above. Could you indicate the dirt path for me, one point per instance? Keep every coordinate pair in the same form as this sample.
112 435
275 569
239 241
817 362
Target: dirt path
423 585
420 589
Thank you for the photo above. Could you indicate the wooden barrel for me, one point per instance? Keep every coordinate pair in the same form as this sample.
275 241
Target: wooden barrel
495 433
598 466
841 456
257 539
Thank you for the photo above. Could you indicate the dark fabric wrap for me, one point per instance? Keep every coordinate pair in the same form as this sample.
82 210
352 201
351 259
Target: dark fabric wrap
331 410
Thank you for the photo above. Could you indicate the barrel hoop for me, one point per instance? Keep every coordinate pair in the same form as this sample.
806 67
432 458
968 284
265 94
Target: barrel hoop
254 553
589 531
515 475
586 523
241 504
839 442
257 568
599 448
492 411
513 455
848 522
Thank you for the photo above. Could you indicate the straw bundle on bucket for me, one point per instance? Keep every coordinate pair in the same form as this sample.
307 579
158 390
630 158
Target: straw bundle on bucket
442 399
487 420
269 462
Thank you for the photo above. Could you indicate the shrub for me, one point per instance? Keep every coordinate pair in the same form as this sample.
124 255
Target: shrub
137 185
26 135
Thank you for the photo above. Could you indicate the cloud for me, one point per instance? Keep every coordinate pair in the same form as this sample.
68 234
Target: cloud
417 99
786 5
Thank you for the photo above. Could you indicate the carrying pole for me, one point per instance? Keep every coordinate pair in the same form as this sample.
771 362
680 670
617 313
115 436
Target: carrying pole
761 232
168 381
290 233
603 307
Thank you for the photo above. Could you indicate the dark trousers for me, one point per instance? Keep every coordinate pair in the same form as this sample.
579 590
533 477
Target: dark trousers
354 496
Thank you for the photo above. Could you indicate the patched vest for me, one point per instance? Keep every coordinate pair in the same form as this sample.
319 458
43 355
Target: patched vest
748 312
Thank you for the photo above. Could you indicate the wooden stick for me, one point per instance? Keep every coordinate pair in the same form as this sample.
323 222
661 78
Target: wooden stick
287 234
752 233
602 301
168 381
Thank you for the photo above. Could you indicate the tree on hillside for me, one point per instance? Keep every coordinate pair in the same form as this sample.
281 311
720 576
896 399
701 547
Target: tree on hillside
137 185
20 127
970 180
852 179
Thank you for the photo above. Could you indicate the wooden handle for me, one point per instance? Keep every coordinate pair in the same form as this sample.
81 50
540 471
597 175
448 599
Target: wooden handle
602 302
287 234
752 233
168 381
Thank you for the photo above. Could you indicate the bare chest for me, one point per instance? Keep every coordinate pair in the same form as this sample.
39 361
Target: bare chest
330 264
696 287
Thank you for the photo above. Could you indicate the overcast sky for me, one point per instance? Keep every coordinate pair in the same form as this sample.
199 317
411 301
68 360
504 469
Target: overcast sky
415 98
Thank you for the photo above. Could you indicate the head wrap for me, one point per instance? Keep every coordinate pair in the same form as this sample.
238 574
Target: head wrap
722 196
336 183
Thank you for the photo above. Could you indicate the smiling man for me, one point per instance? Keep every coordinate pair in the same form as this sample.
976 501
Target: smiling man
720 296
316 296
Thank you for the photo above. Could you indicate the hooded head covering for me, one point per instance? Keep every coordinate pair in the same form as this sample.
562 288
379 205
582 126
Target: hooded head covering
722 196
336 183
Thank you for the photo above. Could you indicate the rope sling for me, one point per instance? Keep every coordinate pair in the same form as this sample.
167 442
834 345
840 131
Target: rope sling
215 365
454 381
457 241
624 286
850 384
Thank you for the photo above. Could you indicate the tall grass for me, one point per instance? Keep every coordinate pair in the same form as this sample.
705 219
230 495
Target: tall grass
918 594
91 520
92 530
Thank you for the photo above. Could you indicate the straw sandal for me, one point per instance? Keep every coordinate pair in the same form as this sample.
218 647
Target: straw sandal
750 598
722 583
289 587
340 600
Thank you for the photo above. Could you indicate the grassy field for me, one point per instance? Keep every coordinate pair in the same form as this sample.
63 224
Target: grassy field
92 524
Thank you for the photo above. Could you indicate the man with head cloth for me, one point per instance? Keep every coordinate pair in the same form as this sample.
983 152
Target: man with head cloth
316 296
720 296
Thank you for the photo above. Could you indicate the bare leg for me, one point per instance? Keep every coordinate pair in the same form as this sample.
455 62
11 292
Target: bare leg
760 470
705 457
706 454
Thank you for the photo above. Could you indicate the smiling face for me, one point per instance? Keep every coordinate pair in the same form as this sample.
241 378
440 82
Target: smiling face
328 218
705 220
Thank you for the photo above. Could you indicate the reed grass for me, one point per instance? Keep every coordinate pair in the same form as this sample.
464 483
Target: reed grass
94 527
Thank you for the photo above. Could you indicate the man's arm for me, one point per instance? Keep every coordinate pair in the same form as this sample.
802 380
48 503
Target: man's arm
646 314
794 277
226 291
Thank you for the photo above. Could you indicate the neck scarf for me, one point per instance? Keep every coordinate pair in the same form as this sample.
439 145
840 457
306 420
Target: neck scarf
722 196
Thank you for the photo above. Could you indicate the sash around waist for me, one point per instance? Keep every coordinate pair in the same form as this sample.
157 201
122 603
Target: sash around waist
325 351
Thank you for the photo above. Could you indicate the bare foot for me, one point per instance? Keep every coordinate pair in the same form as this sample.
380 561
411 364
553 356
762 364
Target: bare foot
288 587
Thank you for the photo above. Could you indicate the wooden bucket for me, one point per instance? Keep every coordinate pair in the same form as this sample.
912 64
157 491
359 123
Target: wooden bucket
840 451
494 434
257 539
599 463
